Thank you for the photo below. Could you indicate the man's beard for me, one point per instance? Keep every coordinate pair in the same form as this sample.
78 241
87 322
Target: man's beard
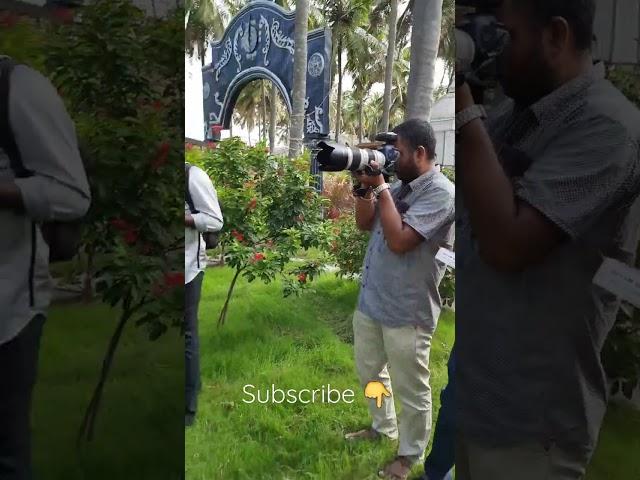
409 175
531 85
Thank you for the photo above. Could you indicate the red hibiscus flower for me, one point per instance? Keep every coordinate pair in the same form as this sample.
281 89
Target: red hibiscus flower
237 235
258 257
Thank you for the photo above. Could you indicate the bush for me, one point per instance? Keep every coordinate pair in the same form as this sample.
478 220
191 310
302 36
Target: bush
337 188
621 352
348 247
271 211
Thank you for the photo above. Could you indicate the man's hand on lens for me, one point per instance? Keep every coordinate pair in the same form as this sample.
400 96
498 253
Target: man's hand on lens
369 181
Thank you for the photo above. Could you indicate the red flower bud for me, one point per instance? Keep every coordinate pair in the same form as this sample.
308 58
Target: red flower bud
174 279
120 224
302 278
130 236
258 257
252 204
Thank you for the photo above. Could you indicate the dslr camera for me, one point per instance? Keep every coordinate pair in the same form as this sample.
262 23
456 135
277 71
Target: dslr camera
335 157
480 41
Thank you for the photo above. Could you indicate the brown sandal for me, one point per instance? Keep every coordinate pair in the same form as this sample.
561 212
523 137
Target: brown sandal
398 469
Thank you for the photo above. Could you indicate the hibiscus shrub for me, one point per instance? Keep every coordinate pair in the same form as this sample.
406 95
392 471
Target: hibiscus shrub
271 211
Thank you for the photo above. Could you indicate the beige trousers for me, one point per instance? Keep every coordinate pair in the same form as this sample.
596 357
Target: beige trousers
405 352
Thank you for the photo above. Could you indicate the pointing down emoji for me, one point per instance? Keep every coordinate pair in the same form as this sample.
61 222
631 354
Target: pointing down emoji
377 390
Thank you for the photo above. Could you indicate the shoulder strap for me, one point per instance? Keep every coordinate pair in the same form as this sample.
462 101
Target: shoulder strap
7 139
187 193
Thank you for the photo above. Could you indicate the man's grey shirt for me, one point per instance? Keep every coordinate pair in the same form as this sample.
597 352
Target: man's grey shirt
529 343
58 190
402 289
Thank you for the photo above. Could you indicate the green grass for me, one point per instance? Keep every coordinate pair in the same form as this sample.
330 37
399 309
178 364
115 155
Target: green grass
305 343
293 343
618 453
140 425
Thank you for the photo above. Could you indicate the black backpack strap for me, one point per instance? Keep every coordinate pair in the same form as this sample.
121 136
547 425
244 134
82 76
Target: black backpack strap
187 192
7 139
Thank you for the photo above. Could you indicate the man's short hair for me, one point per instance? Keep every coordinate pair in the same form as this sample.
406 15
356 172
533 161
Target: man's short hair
418 133
579 14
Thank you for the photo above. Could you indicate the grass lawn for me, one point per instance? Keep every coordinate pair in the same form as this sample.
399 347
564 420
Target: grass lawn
140 428
305 343
292 343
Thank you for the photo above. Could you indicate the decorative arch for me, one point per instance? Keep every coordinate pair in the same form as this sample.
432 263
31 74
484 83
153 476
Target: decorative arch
243 79
259 44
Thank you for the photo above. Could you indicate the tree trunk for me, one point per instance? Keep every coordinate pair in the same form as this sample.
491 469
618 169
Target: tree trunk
87 427
87 290
264 111
296 131
223 313
388 76
339 101
361 121
425 38
273 117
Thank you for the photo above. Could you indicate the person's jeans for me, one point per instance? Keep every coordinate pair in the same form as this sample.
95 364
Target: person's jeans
18 370
192 343
439 464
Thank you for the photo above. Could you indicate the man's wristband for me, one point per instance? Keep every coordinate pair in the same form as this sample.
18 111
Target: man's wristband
380 188
468 115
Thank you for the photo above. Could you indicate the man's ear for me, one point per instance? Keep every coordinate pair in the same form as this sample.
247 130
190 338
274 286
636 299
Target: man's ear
558 34
422 153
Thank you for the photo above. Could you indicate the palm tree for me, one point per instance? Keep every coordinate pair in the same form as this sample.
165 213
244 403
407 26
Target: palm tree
388 77
206 20
425 40
296 132
344 17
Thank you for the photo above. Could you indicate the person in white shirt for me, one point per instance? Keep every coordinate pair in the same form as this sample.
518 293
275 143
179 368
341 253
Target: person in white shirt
35 129
207 219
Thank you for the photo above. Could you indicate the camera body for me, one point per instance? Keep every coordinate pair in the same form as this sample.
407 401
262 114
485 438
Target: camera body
335 157
480 40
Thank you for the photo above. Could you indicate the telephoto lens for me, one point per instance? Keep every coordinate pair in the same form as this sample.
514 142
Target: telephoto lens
334 157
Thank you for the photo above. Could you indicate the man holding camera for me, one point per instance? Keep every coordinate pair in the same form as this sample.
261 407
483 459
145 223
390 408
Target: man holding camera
399 303
548 186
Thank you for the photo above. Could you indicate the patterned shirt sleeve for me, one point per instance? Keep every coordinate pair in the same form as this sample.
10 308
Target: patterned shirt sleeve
589 168
429 213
